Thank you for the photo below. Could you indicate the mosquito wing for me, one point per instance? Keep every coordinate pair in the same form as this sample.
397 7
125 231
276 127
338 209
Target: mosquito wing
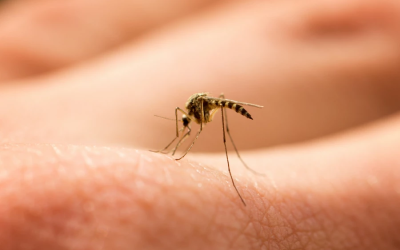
232 101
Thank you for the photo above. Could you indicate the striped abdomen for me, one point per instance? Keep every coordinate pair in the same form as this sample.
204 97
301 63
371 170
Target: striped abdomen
238 108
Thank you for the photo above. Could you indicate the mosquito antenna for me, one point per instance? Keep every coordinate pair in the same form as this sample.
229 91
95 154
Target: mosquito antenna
166 118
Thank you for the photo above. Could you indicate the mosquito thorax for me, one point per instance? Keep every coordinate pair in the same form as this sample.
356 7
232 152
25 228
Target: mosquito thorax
193 100
195 104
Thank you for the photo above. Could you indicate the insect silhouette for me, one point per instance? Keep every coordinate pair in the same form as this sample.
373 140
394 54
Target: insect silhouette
202 108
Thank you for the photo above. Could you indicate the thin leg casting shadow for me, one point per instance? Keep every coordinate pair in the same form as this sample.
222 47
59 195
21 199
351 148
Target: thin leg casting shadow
226 152
234 146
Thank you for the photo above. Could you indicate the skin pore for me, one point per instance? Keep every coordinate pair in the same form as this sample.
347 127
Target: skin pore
77 121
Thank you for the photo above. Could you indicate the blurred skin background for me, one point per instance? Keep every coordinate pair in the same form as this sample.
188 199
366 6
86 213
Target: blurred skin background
81 81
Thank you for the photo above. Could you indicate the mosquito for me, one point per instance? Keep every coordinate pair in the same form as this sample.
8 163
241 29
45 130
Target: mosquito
202 108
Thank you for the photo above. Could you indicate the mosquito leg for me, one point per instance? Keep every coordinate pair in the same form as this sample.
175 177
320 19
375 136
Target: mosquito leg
177 132
172 149
234 146
181 140
226 152
198 133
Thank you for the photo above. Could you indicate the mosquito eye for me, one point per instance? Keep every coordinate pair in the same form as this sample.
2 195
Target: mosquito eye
185 121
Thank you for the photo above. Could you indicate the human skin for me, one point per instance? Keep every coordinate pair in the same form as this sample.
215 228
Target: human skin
91 27
76 174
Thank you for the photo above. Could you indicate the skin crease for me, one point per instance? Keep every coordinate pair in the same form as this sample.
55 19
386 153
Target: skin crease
75 172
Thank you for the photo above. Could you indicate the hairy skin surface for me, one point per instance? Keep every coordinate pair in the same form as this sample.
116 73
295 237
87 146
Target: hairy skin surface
79 85
77 197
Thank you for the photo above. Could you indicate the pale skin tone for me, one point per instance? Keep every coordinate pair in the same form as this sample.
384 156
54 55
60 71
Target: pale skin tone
79 86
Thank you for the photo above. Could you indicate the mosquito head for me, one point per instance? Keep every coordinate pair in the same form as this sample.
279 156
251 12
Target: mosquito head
185 120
